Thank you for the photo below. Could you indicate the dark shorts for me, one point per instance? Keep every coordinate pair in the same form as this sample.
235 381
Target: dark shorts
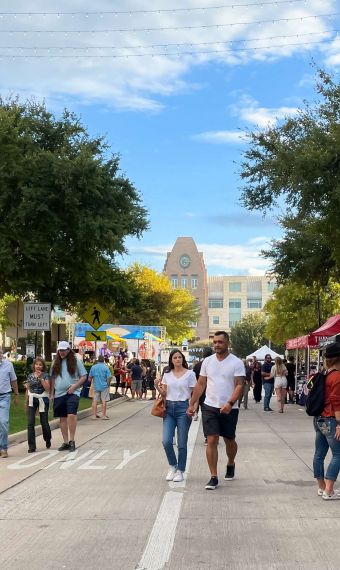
65 405
215 423
291 383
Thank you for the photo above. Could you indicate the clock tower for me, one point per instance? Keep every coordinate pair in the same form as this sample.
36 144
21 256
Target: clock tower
185 268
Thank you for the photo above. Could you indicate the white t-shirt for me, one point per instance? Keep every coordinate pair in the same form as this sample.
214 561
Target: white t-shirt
220 376
179 389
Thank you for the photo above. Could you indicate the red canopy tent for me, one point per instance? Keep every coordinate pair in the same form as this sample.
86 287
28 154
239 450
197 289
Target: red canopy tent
330 328
308 340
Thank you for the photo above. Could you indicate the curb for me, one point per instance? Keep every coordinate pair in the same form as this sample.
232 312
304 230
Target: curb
21 436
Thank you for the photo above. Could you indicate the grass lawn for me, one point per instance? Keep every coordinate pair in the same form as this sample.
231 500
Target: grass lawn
18 418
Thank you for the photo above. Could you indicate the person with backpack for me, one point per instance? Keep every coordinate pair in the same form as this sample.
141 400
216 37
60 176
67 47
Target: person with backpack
327 423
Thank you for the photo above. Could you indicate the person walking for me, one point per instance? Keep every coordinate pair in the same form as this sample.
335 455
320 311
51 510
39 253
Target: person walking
256 379
176 388
223 376
327 428
244 396
100 375
291 368
38 389
8 384
268 382
68 374
279 373
136 379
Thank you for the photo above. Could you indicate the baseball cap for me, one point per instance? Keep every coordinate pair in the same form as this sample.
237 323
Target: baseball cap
332 350
63 345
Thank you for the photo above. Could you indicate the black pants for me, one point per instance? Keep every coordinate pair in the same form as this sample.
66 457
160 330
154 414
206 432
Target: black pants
257 389
43 421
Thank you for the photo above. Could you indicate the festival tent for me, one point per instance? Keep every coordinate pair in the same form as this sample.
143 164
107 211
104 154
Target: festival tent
261 353
300 342
330 328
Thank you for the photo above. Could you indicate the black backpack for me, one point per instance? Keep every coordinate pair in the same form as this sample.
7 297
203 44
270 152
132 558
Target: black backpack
315 401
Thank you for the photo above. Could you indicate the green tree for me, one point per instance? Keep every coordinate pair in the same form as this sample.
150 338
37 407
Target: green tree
160 304
65 209
296 309
248 334
298 163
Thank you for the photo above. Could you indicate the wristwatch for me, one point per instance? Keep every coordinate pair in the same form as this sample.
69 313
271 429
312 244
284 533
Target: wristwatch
231 403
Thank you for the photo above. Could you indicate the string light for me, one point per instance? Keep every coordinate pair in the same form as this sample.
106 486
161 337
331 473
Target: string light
172 28
158 11
166 54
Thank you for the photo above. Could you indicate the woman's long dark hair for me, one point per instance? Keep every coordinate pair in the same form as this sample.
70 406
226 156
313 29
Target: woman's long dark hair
171 364
71 361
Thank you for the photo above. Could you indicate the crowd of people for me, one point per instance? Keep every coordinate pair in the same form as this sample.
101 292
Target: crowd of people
219 384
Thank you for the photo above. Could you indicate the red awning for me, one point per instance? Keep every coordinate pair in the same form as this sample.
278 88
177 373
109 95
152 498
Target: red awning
330 327
302 342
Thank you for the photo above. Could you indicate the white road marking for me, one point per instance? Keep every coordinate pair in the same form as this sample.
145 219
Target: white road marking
161 540
160 543
127 457
38 457
88 464
71 459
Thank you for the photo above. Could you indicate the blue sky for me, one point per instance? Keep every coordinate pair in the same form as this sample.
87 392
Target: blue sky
176 120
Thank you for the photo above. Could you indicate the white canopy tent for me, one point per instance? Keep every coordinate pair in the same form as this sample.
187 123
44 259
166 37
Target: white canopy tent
261 353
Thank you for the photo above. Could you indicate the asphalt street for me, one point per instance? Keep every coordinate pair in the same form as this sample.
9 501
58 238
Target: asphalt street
108 506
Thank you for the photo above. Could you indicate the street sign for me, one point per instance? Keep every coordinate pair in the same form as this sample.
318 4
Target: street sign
37 317
95 336
95 315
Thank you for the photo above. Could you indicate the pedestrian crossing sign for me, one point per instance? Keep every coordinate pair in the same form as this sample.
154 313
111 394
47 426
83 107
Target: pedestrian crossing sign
95 336
95 315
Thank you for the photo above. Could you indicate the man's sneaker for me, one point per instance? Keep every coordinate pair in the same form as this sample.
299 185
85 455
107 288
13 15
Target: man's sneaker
178 476
4 453
71 446
171 474
63 447
334 497
230 473
213 483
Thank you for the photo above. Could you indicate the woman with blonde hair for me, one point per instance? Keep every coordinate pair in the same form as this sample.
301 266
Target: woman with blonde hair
279 373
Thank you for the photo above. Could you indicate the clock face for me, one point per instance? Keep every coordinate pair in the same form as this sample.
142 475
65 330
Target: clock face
184 261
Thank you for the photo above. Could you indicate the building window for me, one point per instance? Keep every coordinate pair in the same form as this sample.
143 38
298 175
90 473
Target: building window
194 281
184 281
233 322
216 320
234 287
271 286
174 281
234 303
215 303
254 303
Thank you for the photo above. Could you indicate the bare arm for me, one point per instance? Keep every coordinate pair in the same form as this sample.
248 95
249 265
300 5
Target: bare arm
196 394
76 384
236 395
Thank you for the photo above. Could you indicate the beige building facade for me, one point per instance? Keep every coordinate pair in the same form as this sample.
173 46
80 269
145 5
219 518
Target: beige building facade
223 300
185 268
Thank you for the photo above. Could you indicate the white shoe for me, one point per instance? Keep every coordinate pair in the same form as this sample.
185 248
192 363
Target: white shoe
171 474
178 476
334 497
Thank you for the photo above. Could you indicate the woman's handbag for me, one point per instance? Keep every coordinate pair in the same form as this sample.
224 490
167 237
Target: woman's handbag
158 409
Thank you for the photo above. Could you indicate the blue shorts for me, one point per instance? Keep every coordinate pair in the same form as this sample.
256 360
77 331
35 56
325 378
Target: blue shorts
66 405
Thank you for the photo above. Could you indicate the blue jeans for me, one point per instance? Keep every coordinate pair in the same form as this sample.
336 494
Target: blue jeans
176 416
5 402
268 391
324 439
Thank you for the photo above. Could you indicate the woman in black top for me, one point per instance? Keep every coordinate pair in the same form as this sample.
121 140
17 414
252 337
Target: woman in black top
38 387
257 382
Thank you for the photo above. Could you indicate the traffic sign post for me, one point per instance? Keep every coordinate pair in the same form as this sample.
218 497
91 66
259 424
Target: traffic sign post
95 315
37 317
95 336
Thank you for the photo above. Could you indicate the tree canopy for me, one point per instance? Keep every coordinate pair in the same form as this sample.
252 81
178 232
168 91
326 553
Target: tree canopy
248 334
298 162
65 209
160 304
296 309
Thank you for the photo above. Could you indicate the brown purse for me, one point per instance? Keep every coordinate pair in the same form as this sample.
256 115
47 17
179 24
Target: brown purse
158 409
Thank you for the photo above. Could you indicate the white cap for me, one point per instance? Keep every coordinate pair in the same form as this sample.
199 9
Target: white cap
63 345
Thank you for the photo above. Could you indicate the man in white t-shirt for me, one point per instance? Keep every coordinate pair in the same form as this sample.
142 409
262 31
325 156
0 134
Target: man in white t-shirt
223 376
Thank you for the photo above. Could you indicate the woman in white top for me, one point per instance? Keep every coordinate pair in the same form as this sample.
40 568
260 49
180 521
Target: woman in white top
177 386
279 373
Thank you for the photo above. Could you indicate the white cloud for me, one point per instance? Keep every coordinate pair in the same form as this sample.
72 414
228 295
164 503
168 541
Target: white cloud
251 112
220 137
140 82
